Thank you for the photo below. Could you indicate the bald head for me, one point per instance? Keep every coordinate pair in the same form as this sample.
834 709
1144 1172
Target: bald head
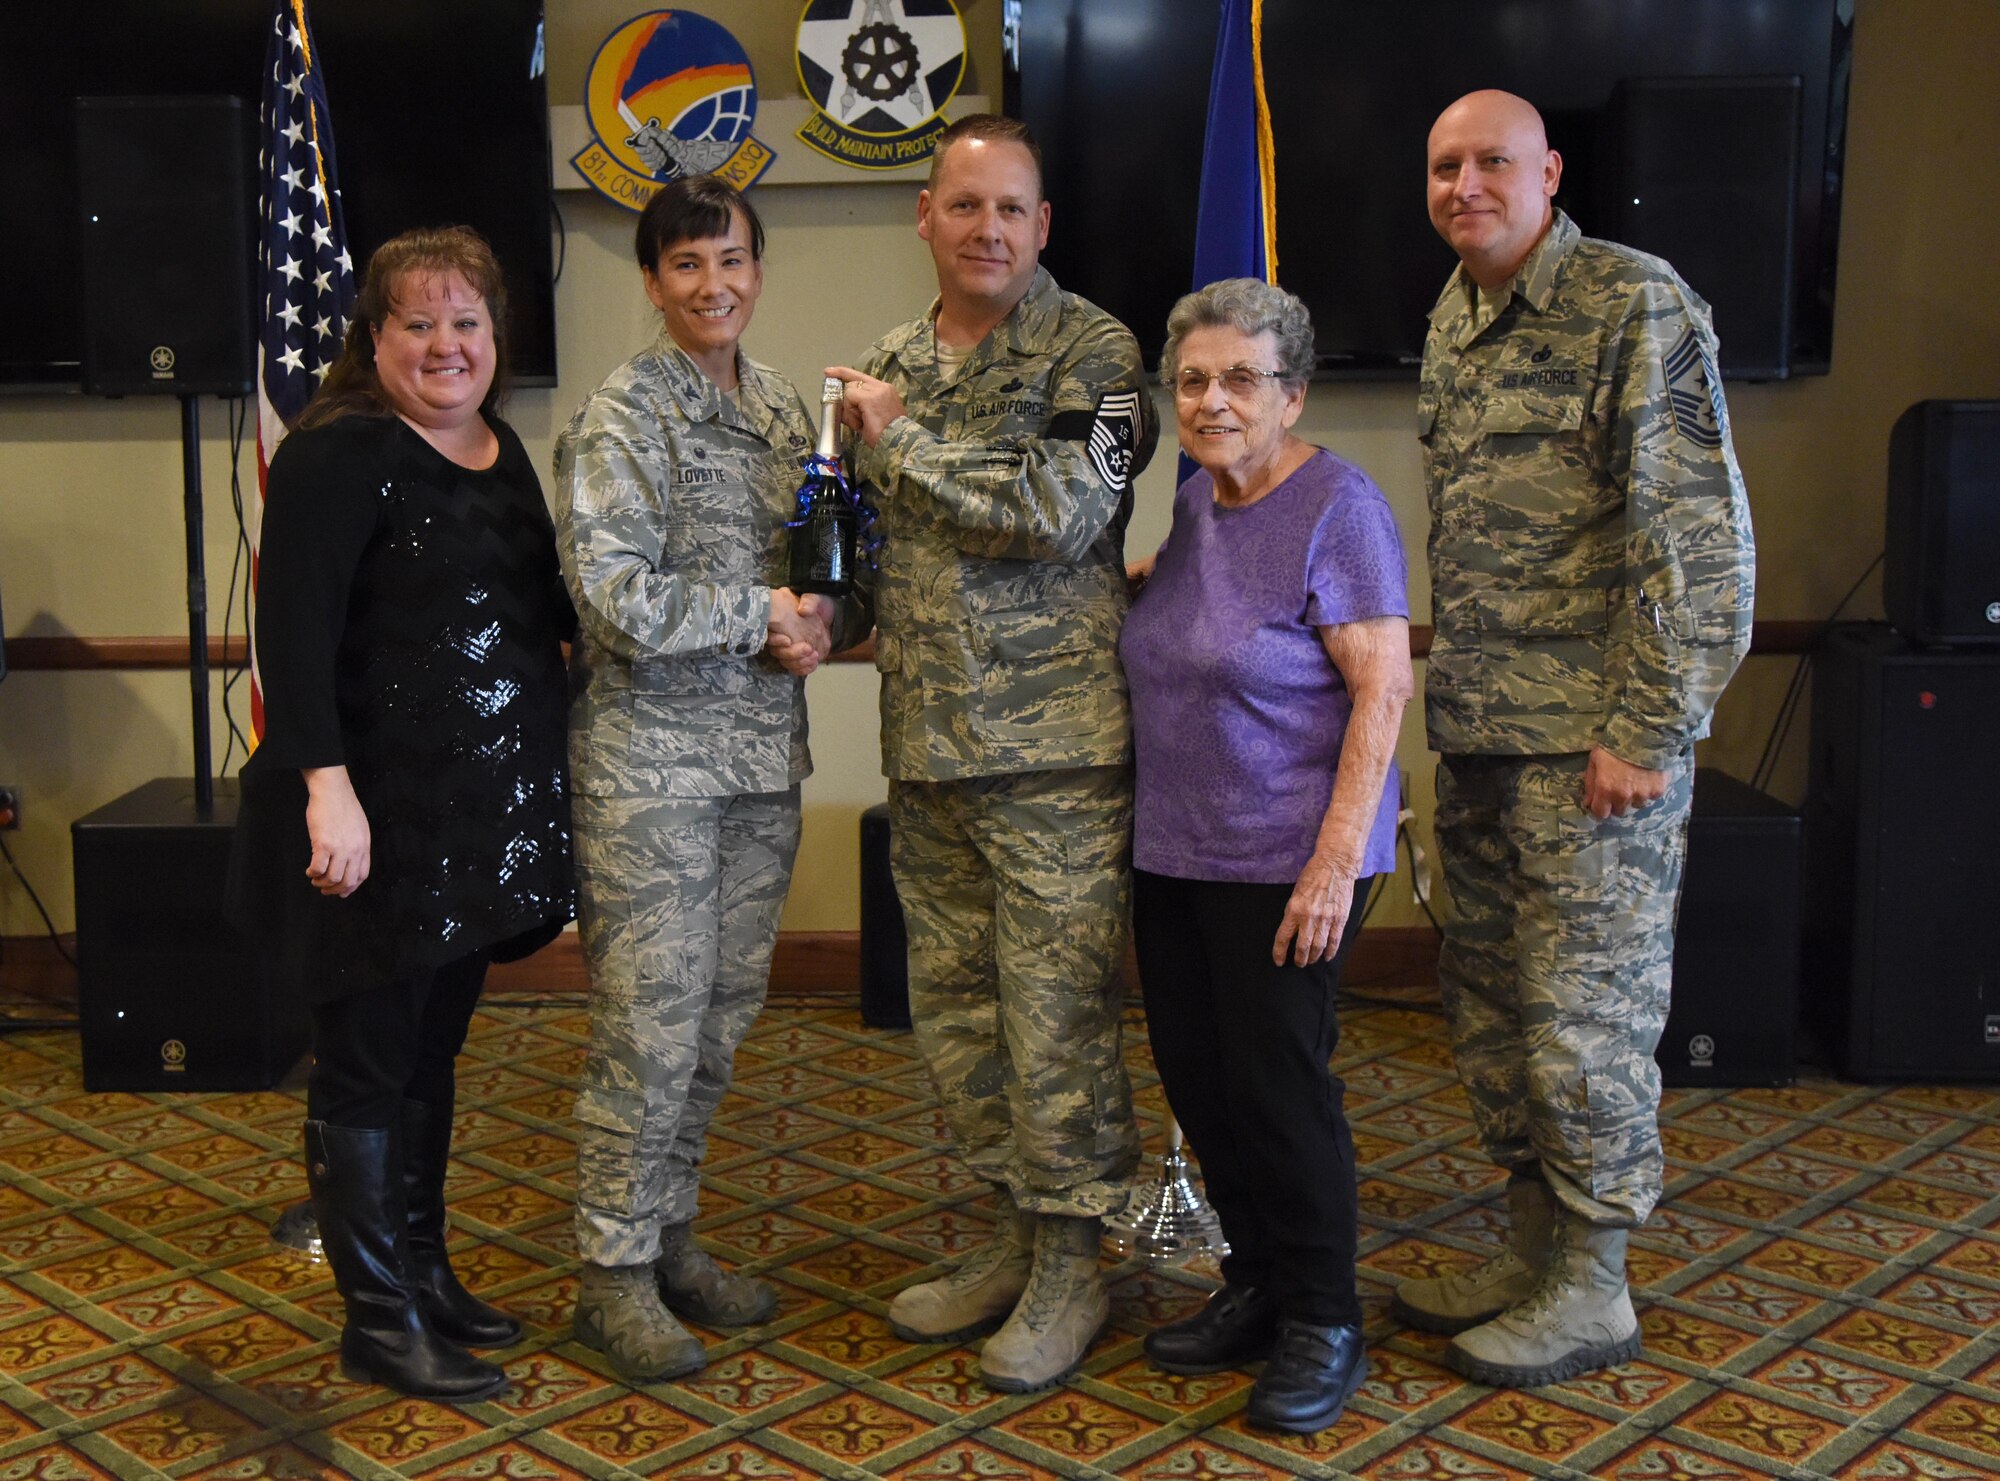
1494 112
1491 178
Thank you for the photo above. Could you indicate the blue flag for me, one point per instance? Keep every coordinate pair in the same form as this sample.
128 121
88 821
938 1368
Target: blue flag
1236 225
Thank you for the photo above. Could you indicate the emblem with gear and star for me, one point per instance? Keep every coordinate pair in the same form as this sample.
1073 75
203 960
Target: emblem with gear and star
879 73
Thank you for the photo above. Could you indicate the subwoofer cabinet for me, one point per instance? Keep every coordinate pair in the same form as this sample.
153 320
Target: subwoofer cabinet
1735 1007
1903 857
170 996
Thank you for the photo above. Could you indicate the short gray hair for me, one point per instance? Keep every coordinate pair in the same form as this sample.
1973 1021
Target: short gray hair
1249 306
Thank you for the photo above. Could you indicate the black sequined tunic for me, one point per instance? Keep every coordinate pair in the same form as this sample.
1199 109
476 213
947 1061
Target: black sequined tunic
409 620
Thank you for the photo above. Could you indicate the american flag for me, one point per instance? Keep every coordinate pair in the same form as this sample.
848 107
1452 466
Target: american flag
304 273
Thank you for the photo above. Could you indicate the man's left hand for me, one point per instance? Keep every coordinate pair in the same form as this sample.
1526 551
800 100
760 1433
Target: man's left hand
1612 788
869 405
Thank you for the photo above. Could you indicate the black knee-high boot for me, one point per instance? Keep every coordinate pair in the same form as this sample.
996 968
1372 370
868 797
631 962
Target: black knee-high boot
356 1175
454 1312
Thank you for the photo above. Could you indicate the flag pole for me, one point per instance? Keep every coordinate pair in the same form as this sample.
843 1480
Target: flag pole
1166 1218
304 276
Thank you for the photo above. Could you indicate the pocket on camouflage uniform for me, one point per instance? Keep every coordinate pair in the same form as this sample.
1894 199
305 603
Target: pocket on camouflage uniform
716 538
698 732
600 736
1531 439
1622 1096
1542 651
1097 849
906 730
688 712
1041 675
1590 848
608 1171
888 653
1117 1132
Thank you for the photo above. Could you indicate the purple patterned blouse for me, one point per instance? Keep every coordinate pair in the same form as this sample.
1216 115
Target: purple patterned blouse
1237 712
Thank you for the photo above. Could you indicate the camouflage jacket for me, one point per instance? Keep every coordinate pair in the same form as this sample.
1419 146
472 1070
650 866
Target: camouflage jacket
1002 498
671 502
1590 546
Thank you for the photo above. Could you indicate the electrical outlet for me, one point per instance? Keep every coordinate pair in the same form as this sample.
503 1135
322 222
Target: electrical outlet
10 805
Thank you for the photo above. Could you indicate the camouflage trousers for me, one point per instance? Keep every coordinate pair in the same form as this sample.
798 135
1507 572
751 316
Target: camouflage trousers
1016 890
1557 961
677 908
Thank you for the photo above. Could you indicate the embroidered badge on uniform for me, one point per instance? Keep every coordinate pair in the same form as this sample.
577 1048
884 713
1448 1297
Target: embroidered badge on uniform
1114 436
1691 392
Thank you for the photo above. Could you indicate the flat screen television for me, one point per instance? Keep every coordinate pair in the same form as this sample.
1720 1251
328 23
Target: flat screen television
440 116
1116 91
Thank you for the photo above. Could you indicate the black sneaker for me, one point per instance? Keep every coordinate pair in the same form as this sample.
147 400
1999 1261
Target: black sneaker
1237 1325
1309 1379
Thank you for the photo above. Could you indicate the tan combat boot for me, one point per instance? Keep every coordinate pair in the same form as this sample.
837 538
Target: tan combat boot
1465 1298
693 1285
618 1312
1577 1320
1063 1308
977 1296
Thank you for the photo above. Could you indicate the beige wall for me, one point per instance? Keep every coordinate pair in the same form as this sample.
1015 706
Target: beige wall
91 489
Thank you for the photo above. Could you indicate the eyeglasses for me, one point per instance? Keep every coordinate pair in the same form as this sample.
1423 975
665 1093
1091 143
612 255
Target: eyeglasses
1238 381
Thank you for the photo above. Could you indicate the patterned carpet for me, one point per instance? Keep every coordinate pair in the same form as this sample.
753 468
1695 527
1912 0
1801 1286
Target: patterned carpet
1820 1296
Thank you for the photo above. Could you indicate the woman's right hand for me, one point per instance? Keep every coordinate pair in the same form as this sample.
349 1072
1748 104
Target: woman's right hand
799 637
338 830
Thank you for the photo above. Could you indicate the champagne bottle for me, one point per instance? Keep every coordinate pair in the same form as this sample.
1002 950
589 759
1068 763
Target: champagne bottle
823 533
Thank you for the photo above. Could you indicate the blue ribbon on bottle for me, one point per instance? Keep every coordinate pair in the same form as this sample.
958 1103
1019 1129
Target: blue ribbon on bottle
867 542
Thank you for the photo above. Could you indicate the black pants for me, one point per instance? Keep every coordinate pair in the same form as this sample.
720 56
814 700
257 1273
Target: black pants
374 1050
1243 1049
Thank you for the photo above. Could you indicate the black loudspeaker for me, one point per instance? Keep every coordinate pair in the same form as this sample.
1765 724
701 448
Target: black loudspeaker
1703 171
169 995
165 272
1736 949
885 967
1941 559
1903 936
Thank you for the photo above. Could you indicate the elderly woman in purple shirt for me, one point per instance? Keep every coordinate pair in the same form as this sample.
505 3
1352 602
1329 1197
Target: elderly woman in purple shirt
1269 661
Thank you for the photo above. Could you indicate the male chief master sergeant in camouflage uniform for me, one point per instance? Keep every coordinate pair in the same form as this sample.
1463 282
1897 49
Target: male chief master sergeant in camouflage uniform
686 752
1004 428
1591 571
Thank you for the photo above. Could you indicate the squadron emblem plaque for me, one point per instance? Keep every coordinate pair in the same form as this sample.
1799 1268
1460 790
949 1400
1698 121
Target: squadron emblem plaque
670 93
879 73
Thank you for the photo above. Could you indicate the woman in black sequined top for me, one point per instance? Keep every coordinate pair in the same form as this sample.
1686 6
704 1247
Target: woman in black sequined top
405 818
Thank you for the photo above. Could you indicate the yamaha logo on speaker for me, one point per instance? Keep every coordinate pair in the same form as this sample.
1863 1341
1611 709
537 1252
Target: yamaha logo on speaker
162 361
1993 611
1701 1051
173 1057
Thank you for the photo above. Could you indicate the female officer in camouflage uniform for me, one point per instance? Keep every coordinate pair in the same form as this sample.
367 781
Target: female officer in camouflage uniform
688 743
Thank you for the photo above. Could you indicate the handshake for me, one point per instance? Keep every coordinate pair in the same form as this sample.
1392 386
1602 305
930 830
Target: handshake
800 630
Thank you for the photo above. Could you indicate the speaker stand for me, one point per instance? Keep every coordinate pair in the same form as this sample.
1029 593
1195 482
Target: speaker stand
197 601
